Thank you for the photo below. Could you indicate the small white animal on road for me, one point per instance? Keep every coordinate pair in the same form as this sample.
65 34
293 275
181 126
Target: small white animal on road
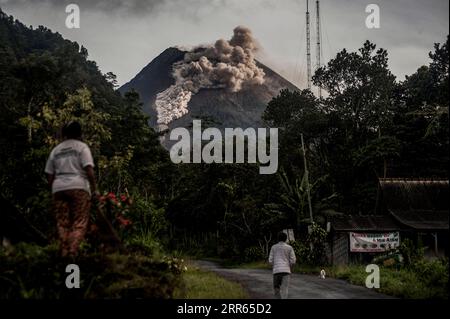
322 274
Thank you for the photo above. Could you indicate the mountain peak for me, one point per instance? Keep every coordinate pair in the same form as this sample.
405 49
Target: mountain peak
232 109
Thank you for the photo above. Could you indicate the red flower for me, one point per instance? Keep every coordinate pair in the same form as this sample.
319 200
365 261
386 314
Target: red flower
123 221
123 198
112 197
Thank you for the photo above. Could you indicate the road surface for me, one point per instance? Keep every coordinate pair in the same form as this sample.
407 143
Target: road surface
258 283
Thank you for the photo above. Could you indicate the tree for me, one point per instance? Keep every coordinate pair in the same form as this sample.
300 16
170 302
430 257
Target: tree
43 83
360 88
360 107
439 69
421 122
77 107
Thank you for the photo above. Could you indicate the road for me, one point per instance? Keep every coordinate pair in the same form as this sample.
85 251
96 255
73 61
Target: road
258 283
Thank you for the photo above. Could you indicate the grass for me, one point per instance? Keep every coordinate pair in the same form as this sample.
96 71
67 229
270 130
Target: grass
401 283
256 265
200 284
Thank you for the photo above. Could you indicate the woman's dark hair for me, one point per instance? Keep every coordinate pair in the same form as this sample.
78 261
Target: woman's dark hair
282 236
72 130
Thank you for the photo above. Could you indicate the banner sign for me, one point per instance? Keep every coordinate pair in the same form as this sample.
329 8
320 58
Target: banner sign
373 242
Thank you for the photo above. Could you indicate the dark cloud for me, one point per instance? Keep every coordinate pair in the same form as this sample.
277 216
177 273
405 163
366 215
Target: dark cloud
134 7
130 6
187 9
141 30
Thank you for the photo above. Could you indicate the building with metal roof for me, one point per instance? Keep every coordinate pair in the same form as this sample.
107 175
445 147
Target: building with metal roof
417 209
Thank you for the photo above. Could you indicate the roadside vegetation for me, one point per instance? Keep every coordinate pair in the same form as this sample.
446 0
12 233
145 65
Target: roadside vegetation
417 278
369 125
33 272
201 284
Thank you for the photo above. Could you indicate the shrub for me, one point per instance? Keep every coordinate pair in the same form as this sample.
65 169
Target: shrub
144 243
391 258
301 250
147 217
410 252
30 271
433 274
312 251
254 253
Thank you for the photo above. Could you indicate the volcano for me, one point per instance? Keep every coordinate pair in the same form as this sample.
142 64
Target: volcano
219 106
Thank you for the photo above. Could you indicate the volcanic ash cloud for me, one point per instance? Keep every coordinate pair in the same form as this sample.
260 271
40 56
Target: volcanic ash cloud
228 64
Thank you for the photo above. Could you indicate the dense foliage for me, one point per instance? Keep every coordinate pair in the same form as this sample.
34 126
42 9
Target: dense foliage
33 272
45 81
368 125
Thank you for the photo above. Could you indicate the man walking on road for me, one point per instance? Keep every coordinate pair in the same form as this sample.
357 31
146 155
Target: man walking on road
282 258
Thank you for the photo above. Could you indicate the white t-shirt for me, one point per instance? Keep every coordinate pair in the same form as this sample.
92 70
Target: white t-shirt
282 257
67 162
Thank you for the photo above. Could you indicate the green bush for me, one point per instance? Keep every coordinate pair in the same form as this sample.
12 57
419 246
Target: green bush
301 250
312 251
146 216
392 258
254 253
29 271
433 274
410 252
422 280
144 243
400 283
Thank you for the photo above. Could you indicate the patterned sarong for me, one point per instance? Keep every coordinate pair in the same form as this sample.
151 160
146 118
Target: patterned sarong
71 208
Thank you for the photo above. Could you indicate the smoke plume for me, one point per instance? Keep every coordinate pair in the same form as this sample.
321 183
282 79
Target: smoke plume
228 64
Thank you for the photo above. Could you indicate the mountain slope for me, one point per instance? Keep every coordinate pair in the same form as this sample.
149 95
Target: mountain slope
227 109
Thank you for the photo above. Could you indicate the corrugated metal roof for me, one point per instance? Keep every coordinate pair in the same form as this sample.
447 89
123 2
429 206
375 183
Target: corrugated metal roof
422 204
408 194
423 220
365 223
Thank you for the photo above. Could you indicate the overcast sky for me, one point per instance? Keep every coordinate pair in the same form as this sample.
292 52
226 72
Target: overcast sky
124 36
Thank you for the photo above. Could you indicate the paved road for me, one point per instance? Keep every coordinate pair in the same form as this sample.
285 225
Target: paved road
258 283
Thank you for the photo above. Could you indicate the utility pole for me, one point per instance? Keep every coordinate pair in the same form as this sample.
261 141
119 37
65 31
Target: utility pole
307 181
308 45
318 35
